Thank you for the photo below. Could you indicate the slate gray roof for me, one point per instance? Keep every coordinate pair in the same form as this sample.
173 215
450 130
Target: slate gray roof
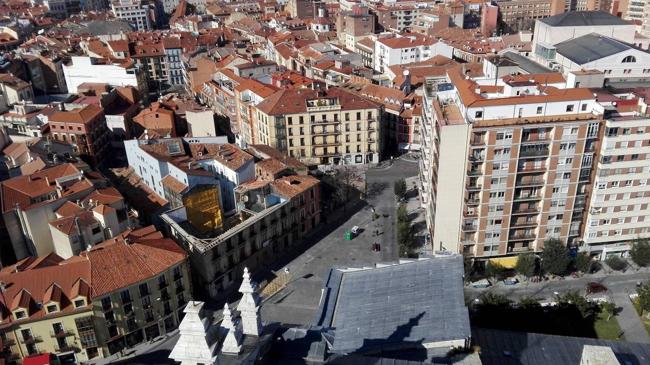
398 306
518 348
583 18
526 63
590 47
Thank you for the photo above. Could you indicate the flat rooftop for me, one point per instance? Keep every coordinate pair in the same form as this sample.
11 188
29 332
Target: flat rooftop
406 305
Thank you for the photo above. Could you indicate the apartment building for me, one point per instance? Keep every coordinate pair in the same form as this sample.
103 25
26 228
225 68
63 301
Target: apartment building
618 208
62 8
135 12
528 170
175 165
124 291
30 201
320 126
519 15
85 129
273 216
407 48
13 90
353 26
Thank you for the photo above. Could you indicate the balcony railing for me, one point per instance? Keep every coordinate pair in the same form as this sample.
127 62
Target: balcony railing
528 210
477 141
533 152
524 223
531 182
27 340
67 348
472 201
469 228
522 236
473 172
527 197
474 186
62 333
526 169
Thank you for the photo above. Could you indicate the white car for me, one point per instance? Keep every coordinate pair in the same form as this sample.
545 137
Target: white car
355 230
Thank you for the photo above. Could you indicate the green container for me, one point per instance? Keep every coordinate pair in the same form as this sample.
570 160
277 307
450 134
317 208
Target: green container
348 236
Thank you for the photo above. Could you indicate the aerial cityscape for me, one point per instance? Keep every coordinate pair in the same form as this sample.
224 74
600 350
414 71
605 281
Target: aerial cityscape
344 182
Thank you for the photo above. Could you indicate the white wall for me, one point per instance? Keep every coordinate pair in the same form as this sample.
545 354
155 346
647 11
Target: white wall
454 142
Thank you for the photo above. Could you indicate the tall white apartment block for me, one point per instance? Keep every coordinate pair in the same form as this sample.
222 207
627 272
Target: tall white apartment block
620 204
134 12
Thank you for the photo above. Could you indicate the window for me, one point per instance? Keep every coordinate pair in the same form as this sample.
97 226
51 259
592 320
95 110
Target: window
20 314
79 303
478 114
51 308
125 295
569 108
583 107
540 109
629 59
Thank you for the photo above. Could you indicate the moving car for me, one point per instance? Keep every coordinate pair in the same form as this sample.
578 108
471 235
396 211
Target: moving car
594 287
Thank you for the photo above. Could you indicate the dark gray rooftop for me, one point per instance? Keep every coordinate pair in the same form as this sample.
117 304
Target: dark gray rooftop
590 47
583 18
526 63
397 306
518 348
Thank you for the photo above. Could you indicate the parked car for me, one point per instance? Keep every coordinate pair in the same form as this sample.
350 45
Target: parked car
481 284
355 230
510 281
594 287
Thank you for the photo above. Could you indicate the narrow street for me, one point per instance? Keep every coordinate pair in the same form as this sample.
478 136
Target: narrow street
619 285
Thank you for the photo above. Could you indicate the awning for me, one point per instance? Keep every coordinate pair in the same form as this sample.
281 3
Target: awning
507 262
42 359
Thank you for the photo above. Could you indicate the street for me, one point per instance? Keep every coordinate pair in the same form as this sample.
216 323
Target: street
298 302
620 285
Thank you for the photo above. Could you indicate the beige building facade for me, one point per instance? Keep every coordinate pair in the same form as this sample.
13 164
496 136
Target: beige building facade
320 127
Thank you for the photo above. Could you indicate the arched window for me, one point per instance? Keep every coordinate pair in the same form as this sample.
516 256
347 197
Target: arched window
629 59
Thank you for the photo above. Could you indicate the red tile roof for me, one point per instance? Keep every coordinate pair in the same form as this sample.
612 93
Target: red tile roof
78 116
294 101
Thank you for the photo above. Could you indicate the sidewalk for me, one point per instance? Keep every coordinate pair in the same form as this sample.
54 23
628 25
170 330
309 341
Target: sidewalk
629 320
414 208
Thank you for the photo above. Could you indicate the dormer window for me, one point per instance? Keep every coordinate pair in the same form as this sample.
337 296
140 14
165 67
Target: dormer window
80 303
51 308
20 314
629 59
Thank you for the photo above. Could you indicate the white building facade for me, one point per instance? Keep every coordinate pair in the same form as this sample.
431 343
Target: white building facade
619 206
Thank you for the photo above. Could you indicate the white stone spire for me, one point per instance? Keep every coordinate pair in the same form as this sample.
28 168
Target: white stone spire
193 345
232 341
248 307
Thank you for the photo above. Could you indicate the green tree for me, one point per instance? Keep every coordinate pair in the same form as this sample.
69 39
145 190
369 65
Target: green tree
609 308
644 296
528 303
496 300
616 263
586 308
640 251
494 270
399 188
583 262
468 265
555 257
526 264
402 214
